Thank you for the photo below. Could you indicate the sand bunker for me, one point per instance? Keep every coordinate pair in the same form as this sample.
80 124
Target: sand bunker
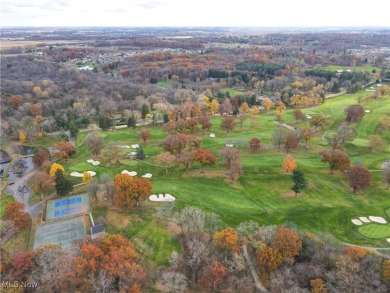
135 146
168 197
212 135
147 175
357 222
368 111
93 162
229 145
78 174
132 173
124 146
364 220
388 240
377 219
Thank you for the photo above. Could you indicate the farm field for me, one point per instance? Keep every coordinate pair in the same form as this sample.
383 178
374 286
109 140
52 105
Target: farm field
263 193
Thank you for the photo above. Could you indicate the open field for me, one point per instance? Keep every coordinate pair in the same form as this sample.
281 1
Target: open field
363 68
263 194
7 44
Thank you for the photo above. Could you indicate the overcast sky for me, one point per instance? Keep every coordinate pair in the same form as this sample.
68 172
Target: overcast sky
258 13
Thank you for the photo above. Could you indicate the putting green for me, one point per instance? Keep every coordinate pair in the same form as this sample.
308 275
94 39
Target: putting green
376 231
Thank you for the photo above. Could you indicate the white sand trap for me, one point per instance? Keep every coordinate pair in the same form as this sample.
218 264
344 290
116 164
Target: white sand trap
357 222
93 162
80 175
379 84
135 146
368 111
212 135
161 198
124 146
364 220
147 175
229 145
388 240
132 153
132 173
377 219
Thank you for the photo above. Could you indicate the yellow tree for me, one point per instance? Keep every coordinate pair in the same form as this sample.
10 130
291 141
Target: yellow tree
267 104
86 177
289 163
214 106
22 136
54 167
244 108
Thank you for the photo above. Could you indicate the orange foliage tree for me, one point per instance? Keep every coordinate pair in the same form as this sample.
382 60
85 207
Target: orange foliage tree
145 134
226 239
128 189
355 253
66 149
204 157
289 163
386 270
317 286
22 136
13 212
287 242
214 275
269 259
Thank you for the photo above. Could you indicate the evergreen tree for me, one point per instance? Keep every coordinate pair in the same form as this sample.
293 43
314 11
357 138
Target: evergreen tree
166 118
145 110
140 153
63 185
104 122
299 181
73 129
132 122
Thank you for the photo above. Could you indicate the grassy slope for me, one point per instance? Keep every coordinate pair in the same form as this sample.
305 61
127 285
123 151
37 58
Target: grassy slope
262 193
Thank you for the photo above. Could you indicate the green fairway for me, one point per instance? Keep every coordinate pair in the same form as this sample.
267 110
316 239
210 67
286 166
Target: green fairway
376 231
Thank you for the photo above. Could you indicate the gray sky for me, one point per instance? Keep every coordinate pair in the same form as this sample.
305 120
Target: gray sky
194 13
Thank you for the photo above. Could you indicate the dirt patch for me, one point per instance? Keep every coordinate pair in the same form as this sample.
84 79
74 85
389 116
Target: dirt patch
118 219
292 194
209 174
174 228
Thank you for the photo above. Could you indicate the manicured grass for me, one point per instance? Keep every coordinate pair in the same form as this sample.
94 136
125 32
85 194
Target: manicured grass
376 231
233 91
363 68
5 199
165 83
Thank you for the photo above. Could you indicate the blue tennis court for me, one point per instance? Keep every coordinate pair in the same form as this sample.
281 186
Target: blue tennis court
68 201
69 206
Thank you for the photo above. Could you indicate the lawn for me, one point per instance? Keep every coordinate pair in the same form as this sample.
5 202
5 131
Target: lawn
363 68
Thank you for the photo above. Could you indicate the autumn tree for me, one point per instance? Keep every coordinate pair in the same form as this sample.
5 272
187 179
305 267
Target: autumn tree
214 276
145 135
287 242
35 110
54 167
204 157
185 158
63 186
279 136
318 121
174 143
355 253
226 107
205 123
254 144
40 158
228 123
354 113
336 159
226 239
22 136
244 108
298 114
166 159
128 189
298 178
267 104
307 135
86 177
385 122
113 153
42 182
317 286
269 259
95 144
231 159
359 178
14 212
66 149
291 142
289 163
386 270
214 106
376 144
15 101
